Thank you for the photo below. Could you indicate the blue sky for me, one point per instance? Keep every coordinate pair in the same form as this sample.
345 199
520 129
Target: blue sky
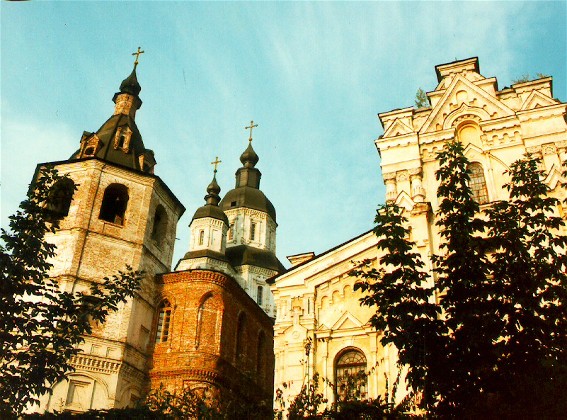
313 75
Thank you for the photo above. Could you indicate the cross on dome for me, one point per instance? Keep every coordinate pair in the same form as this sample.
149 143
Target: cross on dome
137 54
251 127
216 162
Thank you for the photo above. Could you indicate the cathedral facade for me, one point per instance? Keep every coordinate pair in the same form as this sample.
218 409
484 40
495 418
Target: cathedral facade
320 325
208 324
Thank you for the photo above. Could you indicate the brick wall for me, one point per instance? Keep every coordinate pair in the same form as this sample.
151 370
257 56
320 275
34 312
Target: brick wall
204 336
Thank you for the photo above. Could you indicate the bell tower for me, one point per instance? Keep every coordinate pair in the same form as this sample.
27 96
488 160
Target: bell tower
117 212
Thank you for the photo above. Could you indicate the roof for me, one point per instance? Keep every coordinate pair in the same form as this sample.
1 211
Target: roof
272 279
106 134
249 197
246 255
212 211
204 253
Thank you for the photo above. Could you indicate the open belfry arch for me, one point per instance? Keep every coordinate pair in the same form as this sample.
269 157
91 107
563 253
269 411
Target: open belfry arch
315 299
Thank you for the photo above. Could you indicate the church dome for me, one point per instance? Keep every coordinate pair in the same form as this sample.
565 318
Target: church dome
248 197
211 208
212 211
249 158
130 84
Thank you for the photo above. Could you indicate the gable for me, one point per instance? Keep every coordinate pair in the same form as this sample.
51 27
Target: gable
463 97
536 100
398 128
346 321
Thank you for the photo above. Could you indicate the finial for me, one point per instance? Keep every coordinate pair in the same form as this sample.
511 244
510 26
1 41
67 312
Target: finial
216 162
251 127
137 54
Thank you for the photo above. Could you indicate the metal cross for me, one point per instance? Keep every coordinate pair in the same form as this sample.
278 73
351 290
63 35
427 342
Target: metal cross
251 127
137 54
216 162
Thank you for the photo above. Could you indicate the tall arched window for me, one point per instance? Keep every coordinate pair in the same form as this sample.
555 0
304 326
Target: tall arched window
201 237
114 204
60 197
350 376
240 339
478 183
164 319
260 295
261 356
205 334
160 224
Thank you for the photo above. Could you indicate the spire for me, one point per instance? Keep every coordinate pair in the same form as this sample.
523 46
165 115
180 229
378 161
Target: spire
249 158
130 85
213 188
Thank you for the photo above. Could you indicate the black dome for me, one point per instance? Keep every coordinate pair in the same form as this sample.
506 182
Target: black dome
210 210
249 197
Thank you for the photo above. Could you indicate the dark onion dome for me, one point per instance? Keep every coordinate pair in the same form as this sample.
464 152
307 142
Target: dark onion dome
211 208
247 191
248 197
205 253
211 211
247 255
249 158
130 84
213 189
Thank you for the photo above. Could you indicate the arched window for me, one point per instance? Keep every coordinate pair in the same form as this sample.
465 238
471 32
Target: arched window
114 204
164 319
350 376
261 354
160 224
201 237
205 334
230 231
240 339
260 295
60 197
478 183
253 231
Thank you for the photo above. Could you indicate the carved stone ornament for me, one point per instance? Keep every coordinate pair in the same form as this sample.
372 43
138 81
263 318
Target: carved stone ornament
402 176
549 149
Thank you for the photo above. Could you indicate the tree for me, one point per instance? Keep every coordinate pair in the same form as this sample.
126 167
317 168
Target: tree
403 297
421 100
41 325
499 345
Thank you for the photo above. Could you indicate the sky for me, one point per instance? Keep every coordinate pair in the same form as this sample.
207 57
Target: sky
312 75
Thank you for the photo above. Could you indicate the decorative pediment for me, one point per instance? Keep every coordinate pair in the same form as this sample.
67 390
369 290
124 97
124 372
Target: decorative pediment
553 177
535 100
463 97
404 201
346 321
398 128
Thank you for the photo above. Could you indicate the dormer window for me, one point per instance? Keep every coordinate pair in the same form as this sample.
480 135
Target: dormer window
122 139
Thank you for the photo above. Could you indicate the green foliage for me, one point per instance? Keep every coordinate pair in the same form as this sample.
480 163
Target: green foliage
421 99
527 77
40 324
499 350
401 293
306 404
